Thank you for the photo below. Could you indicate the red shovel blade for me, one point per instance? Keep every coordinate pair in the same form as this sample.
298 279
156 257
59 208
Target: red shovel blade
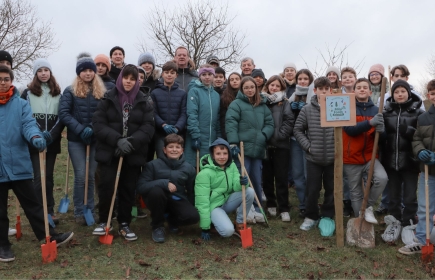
427 252
106 239
142 203
246 235
18 228
49 251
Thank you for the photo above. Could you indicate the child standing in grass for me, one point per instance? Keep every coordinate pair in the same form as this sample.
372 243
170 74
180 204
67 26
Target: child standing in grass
227 97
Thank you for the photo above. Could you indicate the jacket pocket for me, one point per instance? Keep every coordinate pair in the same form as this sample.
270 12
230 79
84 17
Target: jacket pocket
21 163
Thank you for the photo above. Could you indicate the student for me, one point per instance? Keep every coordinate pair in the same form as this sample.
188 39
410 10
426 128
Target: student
213 61
218 191
333 74
348 79
19 130
102 62
259 78
275 166
169 103
400 115
43 95
249 120
202 114
6 59
77 105
318 144
376 73
358 142
227 97
423 146
289 76
148 63
219 80
117 56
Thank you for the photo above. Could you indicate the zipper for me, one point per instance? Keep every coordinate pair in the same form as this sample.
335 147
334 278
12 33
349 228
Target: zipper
397 138
211 116
46 110
226 177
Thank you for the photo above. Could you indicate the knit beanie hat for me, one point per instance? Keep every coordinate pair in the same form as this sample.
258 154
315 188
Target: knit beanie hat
258 72
85 61
333 69
290 65
146 57
4 55
377 68
102 58
140 69
300 90
400 83
213 59
39 63
117 48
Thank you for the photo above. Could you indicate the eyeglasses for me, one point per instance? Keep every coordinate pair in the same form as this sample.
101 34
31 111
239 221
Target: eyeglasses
6 80
374 74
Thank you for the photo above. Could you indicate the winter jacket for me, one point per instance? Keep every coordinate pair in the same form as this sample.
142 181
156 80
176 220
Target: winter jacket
284 121
376 90
114 72
397 149
317 142
18 127
150 82
76 113
108 82
221 89
202 118
222 113
214 185
388 95
358 140
290 89
159 172
185 76
169 106
424 136
45 109
108 127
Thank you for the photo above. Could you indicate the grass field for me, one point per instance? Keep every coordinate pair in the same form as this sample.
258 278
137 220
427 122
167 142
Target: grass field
281 251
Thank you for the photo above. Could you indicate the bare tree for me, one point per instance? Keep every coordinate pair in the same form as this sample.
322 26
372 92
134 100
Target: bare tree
430 66
25 36
204 27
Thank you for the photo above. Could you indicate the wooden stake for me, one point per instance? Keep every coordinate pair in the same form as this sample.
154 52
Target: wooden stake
338 186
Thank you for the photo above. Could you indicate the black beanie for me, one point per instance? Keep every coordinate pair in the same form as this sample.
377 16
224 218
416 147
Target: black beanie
400 83
258 72
116 48
4 55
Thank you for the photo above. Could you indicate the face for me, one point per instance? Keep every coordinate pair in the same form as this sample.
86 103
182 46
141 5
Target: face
399 75
322 90
173 150
290 74
43 74
274 86
220 155
249 89
207 78
362 92
348 79
181 57
87 75
101 69
259 81
141 77
117 58
7 63
303 80
5 82
375 78
219 80
214 64
247 67
169 77
430 95
147 66
128 82
332 77
234 81
400 95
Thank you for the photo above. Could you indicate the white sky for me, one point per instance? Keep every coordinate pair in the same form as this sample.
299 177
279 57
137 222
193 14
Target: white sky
278 31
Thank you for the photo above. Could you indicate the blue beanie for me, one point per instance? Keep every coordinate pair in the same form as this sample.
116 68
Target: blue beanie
146 57
85 61
39 63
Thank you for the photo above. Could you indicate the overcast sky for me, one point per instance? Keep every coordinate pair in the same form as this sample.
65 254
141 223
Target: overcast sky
386 32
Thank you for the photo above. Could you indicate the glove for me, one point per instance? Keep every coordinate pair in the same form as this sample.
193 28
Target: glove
168 129
380 128
205 235
377 119
402 129
432 159
425 155
47 137
86 135
244 180
196 144
234 151
118 153
174 129
39 143
294 105
301 104
125 146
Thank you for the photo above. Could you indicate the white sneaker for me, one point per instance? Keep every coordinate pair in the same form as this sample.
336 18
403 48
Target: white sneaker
259 218
272 211
12 231
308 224
369 216
393 229
413 248
285 216
263 196
250 217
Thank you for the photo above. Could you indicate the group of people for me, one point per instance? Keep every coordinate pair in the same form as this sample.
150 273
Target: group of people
178 134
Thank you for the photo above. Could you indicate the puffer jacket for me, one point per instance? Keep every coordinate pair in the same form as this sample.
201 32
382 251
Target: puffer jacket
150 82
108 127
76 113
169 106
424 136
185 76
159 172
108 82
214 184
317 142
252 125
284 121
397 149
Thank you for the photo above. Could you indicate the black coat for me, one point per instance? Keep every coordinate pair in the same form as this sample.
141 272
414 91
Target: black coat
108 128
397 149
284 121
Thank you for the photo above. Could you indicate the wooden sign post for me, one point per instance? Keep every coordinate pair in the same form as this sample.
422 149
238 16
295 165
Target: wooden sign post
338 110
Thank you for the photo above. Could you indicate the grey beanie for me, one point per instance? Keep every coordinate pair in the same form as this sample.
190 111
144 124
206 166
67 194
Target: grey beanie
333 69
290 65
39 63
85 61
146 57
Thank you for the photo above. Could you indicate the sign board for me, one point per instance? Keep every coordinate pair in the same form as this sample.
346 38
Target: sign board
337 110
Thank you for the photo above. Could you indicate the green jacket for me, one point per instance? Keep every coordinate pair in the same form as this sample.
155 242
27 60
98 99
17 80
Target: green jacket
252 125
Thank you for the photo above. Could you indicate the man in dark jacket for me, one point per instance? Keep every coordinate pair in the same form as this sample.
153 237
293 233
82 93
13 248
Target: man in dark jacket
186 68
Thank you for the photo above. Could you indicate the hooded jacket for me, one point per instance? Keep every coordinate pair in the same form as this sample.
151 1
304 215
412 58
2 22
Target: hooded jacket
424 136
284 121
150 82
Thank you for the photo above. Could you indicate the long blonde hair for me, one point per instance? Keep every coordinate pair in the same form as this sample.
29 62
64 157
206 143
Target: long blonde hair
81 89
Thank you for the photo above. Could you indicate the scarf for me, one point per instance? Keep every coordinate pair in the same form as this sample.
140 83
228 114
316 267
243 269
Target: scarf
274 98
300 90
124 96
5 96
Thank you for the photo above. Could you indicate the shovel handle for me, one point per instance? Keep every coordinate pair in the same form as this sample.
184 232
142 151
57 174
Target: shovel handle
197 161
118 172
242 163
426 193
44 191
88 151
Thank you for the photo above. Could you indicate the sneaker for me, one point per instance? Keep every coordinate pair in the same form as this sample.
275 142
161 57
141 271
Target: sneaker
263 196
141 214
81 221
413 248
272 211
285 216
369 217
6 254
381 210
12 231
259 218
62 238
159 235
392 232
173 229
308 224
125 231
101 229
302 213
250 217
347 208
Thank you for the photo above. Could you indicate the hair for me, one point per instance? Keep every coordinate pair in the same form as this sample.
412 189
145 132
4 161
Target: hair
5 69
337 83
221 146
401 67
229 93
350 70
246 59
306 72
173 138
130 69
430 85
219 70
322 82
271 80
81 88
36 89
257 98
361 80
170 65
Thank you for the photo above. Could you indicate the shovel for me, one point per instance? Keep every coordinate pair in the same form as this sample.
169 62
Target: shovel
108 238
142 203
245 233
197 161
18 224
50 219
49 249
64 202
427 250
86 211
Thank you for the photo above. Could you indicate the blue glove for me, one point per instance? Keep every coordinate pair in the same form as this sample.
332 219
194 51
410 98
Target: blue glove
47 137
174 129
86 135
39 143
294 105
301 104
432 159
168 129
196 144
244 180
424 155
205 235
234 151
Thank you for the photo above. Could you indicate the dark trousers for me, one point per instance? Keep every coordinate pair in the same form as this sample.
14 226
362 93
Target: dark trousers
181 212
50 160
402 184
126 190
25 192
275 176
318 174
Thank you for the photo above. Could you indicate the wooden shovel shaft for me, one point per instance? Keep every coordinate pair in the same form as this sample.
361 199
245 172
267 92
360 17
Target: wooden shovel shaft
197 161
242 163
118 173
44 193
88 151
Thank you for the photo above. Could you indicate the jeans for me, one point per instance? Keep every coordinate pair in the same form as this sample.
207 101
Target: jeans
50 160
385 200
77 153
420 231
219 216
275 178
254 166
299 171
346 189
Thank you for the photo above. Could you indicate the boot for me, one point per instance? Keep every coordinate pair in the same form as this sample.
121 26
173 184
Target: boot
347 208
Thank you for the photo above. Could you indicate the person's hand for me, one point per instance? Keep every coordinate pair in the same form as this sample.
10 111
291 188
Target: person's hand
301 104
39 143
234 150
174 129
118 152
196 144
47 137
205 235
380 128
294 105
425 155
377 120
403 128
172 187
244 180
125 146
168 129
86 135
